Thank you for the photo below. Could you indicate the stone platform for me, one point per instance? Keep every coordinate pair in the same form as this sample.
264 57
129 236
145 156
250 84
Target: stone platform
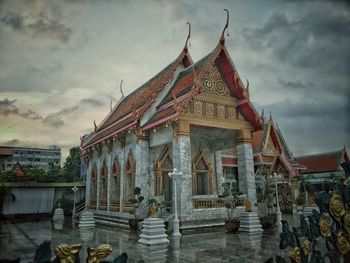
250 223
153 232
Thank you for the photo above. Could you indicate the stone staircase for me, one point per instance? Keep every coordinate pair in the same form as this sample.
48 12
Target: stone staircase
200 226
113 221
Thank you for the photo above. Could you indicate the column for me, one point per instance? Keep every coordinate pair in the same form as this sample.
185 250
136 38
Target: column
122 179
142 164
182 162
88 184
246 175
98 166
219 172
109 180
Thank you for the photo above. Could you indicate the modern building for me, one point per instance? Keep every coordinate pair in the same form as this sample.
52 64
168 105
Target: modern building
42 158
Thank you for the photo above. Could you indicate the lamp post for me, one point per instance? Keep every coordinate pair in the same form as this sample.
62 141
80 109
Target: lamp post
176 222
74 189
278 212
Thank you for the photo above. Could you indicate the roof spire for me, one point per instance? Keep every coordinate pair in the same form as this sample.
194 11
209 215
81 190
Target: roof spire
222 39
121 88
188 37
95 126
110 105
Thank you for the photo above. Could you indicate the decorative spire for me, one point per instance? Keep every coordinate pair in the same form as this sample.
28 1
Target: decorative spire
110 106
95 126
121 89
247 88
222 39
262 116
188 37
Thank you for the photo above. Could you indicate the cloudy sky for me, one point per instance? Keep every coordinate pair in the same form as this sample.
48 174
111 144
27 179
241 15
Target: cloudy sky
61 62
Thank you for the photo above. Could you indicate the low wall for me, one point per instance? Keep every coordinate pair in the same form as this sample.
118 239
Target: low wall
39 198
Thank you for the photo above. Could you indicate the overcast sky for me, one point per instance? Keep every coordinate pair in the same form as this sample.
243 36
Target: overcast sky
61 62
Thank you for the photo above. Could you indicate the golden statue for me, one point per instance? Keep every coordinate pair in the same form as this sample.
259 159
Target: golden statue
67 253
248 205
95 254
153 210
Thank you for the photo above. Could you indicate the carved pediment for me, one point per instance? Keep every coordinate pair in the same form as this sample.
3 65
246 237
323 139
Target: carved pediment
213 83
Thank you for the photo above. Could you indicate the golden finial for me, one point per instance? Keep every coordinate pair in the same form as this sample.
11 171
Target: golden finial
95 126
153 210
247 88
248 205
222 39
67 253
95 254
121 88
110 106
188 36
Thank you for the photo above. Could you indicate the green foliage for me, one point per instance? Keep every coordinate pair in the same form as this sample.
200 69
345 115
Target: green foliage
35 173
8 176
71 168
137 191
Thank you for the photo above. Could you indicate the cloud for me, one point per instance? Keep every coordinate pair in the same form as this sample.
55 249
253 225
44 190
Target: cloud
296 84
12 142
40 25
59 118
8 107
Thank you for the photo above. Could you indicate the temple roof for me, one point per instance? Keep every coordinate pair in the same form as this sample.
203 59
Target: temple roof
130 109
323 162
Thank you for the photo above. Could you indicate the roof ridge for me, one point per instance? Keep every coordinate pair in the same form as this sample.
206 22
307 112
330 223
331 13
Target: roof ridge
319 154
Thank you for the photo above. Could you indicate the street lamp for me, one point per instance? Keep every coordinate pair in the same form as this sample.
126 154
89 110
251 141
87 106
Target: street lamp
176 222
74 189
278 212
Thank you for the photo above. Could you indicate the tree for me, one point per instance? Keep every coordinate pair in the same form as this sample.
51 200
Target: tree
71 168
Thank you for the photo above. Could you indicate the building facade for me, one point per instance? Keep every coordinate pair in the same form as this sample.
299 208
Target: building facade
182 118
42 158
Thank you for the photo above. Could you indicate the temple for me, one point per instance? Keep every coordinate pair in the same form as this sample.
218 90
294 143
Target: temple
181 118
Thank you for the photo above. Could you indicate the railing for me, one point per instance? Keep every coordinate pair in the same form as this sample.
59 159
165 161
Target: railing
79 210
144 212
208 203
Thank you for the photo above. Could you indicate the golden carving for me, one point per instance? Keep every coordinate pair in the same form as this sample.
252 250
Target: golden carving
197 107
209 110
306 247
325 226
67 253
244 136
153 210
248 205
221 111
231 112
95 254
212 82
347 221
343 243
295 254
336 207
182 128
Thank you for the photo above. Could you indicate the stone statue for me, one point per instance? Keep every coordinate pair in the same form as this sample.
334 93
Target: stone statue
248 205
153 210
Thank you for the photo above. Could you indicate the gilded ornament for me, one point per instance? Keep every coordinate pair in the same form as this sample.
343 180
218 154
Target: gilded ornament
231 112
325 226
212 82
248 205
67 253
210 110
347 221
221 112
95 254
153 210
306 246
343 243
295 254
197 107
336 207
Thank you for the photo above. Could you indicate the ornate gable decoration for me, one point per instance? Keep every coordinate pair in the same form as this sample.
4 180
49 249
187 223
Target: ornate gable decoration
213 83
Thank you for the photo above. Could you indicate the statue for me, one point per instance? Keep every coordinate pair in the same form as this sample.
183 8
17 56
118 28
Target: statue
248 205
153 210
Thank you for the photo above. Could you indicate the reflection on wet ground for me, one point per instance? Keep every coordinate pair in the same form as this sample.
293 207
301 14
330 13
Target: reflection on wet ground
21 239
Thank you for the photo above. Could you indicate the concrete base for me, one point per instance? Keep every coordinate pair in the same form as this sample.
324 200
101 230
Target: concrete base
58 215
153 232
87 220
250 223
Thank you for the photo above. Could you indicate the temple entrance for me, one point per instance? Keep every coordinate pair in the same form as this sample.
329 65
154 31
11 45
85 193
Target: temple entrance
202 183
103 187
162 167
115 185
201 175
129 178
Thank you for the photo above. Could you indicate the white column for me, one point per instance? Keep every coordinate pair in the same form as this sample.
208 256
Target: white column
98 166
142 163
88 184
246 175
122 179
109 180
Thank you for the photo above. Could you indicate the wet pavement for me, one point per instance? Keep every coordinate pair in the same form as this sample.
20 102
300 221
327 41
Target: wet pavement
21 239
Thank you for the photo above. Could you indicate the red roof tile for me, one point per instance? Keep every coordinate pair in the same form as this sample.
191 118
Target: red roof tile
327 162
6 151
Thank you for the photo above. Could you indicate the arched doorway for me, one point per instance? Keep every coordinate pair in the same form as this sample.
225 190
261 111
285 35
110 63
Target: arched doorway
115 195
93 187
129 177
201 175
163 165
103 186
